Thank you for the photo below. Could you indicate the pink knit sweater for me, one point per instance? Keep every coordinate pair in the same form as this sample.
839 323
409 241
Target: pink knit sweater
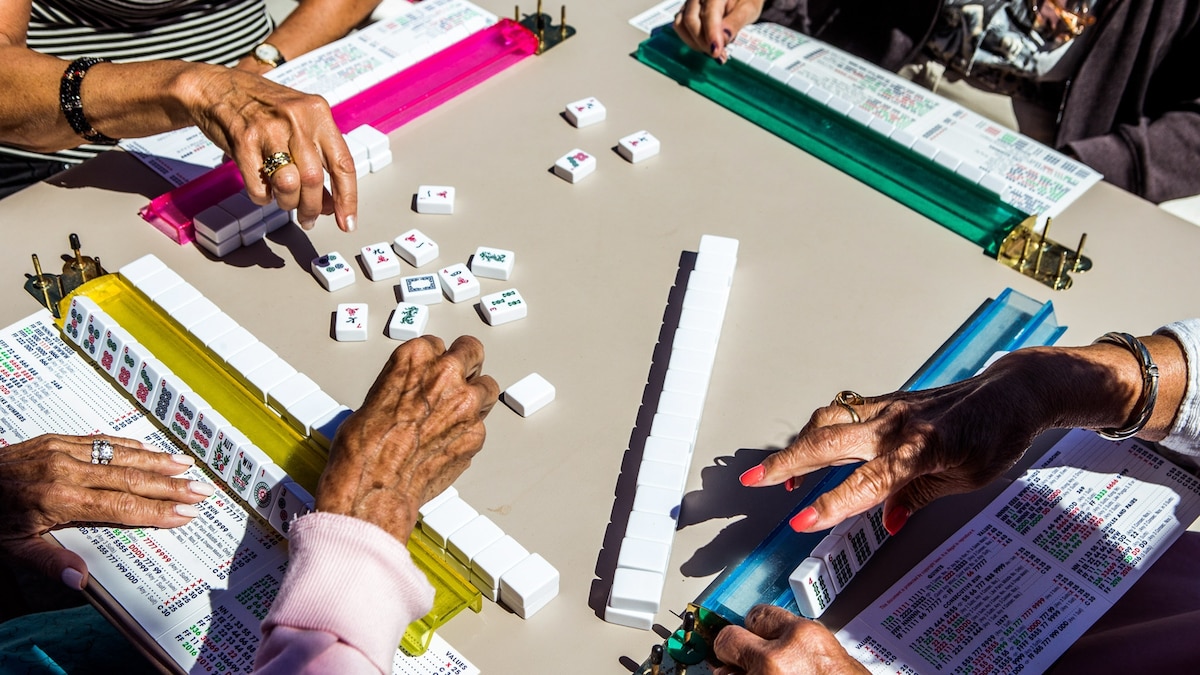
349 592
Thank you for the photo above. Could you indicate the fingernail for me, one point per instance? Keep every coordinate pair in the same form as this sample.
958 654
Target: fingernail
803 520
789 484
73 579
895 519
753 476
187 510
201 488
712 49
181 458
728 34
308 224
351 223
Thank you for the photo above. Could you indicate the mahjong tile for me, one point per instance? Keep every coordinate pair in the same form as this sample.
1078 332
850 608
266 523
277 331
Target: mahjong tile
408 321
493 263
503 307
458 283
350 322
575 166
380 261
416 248
639 146
435 199
333 271
585 112
421 289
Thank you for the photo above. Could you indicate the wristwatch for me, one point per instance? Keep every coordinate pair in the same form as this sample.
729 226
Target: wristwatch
268 54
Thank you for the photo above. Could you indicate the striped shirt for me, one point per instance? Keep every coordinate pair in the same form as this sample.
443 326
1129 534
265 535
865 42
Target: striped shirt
213 31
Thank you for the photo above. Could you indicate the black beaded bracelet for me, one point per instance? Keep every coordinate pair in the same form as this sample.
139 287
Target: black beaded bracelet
72 105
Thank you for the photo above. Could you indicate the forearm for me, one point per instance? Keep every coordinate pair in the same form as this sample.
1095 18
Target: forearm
119 100
314 23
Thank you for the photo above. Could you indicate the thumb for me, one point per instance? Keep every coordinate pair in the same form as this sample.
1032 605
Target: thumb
739 16
53 561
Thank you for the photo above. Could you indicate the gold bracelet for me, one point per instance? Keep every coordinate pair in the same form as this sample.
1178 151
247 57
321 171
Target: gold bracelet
1149 396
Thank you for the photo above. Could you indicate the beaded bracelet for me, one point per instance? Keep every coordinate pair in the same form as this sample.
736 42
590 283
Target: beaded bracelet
72 105
1145 404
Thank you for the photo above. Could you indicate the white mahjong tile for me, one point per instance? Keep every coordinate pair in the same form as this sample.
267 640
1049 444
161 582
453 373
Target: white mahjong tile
625 617
333 271
503 307
692 360
970 172
219 250
252 234
861 116
209 424
680 403
254 356
75 322
924 148
643 554
636 590
708 281
435 199
674 426
761 64
154 285
707 301
458 283
715 243
585 112
217 225
662 501
208 330
93 333
493 263
408 321
819 94
858 540
879 126
717 263
176 297
128 364
470 539
246 463
698 340
232 343
375 140
139 269
686 381
360 155
672 450
416 248
812 587
380 261
529 394
291 502
421 289
527 586
229 441
145 381
196 311
993 183
903 138
493 561
638 146
380 160
446 519
835 552
575 166
306 412
275 217
350 322
878 532
111 346
801 84
323 430
948 160
166 396
268 375
840 105
265 490
288 392
183 417
651 527
441 498
240 206
662 474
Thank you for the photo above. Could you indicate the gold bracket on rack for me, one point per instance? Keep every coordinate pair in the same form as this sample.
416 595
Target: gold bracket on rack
44 287
50 289
1038 257
542 25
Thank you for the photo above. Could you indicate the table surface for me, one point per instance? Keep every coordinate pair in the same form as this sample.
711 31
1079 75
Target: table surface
837 287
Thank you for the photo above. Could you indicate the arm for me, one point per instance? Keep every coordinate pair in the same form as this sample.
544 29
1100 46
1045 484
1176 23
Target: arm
245 115
918 446
312 24
1154 158
350 589
50 481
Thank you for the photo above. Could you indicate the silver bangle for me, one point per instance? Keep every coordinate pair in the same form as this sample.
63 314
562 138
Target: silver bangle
1145 404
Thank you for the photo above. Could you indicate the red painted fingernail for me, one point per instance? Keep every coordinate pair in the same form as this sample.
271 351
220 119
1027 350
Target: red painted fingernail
895 519
803 520
753 476
789 484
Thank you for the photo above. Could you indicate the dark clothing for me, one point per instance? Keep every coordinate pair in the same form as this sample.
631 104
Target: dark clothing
1132 110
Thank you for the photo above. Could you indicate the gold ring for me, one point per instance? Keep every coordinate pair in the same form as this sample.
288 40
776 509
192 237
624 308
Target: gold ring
275 162
848 399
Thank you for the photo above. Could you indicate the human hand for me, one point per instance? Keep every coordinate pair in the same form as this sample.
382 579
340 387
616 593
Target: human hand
708 26
922 445
252 118
416 432
777 642
49 481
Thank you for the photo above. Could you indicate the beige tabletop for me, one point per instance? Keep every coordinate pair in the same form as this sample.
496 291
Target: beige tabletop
837 287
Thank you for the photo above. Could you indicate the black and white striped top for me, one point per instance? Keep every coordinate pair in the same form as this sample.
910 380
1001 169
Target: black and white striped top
214 31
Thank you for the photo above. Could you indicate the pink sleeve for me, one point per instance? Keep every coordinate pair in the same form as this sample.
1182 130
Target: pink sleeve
348 594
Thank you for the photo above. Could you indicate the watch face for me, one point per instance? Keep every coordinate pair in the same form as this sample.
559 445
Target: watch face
268 53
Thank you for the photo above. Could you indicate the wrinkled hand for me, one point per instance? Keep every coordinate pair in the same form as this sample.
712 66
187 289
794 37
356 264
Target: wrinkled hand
416 432
709 25
49 481
777 642
922 445
252 118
